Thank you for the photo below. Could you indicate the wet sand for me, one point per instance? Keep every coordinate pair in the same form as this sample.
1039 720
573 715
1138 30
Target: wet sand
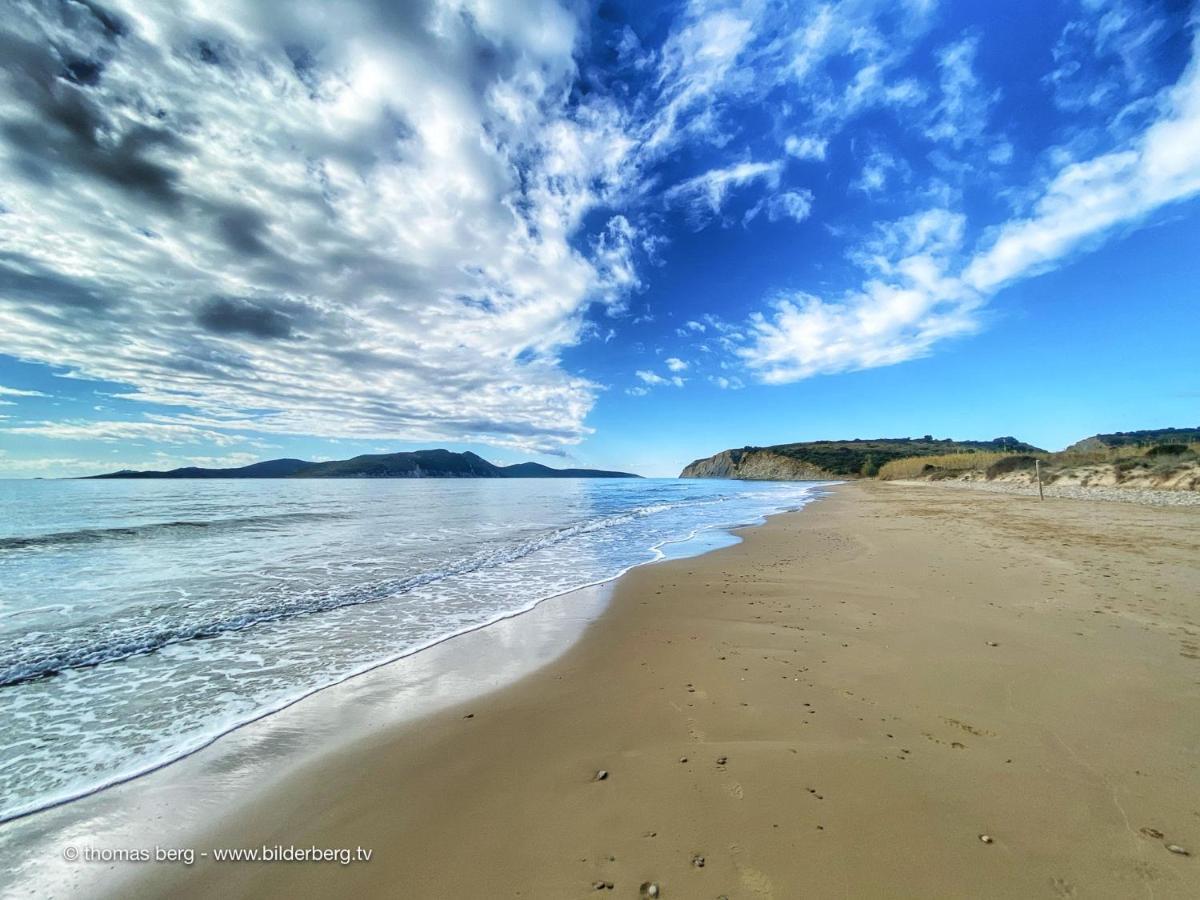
839 706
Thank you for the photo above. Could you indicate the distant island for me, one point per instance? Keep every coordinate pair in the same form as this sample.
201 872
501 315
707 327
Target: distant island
414 464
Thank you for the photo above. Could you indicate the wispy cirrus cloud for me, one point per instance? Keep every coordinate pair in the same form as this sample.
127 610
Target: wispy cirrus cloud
706 194
926 287
114 431
961 114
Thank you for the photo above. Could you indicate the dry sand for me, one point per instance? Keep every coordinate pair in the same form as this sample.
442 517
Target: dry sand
839 706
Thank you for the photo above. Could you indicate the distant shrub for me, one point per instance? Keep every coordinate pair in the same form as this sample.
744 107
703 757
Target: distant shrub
1010 464
1168 450
1169 465
1129 463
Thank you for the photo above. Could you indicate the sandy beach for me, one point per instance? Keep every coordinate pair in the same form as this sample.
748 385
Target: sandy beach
899 691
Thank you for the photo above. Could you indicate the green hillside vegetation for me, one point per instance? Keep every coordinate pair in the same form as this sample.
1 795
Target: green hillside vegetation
866 457
1136 439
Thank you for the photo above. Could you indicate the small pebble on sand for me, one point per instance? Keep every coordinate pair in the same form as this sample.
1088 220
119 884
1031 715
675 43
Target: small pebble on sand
1181 851
986 838
602 775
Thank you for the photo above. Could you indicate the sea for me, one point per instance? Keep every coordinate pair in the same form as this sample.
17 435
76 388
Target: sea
140 620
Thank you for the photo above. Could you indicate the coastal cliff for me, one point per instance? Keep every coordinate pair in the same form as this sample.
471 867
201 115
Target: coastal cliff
1162 461
755 465
820 460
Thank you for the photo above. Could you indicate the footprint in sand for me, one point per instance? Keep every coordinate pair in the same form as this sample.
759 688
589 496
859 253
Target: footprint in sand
968 728
735 791
1062 887
755 882
953 745
1145 871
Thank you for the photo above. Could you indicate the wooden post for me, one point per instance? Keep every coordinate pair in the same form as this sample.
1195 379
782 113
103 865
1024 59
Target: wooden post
1037 467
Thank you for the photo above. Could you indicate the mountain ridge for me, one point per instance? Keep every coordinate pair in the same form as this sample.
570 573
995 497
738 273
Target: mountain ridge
438 463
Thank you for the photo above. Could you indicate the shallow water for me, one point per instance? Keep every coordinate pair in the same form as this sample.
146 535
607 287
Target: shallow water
138 619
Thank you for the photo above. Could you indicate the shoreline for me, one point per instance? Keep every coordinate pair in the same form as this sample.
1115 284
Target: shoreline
843 703
210 739
543 630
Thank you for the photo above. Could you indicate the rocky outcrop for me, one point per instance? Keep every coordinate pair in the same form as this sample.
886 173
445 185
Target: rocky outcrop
755 465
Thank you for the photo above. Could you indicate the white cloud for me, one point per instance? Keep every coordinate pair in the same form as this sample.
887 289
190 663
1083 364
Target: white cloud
699 65
656 380
16 392
923 289
961 116
850 34
807 147
1001 154
74 466
896 316
728 384
874 177
1107 56
794 205
1087 199
156 432
706 194
675 364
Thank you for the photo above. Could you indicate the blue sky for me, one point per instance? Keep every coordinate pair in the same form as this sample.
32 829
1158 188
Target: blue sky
623 235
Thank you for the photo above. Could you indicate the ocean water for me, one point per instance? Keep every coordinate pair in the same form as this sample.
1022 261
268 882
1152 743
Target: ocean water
140 619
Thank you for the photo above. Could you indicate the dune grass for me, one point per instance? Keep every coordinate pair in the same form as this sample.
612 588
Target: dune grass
913 466
1124 457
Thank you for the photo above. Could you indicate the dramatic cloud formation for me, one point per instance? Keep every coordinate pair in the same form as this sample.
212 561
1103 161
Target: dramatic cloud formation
410 220
350 219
